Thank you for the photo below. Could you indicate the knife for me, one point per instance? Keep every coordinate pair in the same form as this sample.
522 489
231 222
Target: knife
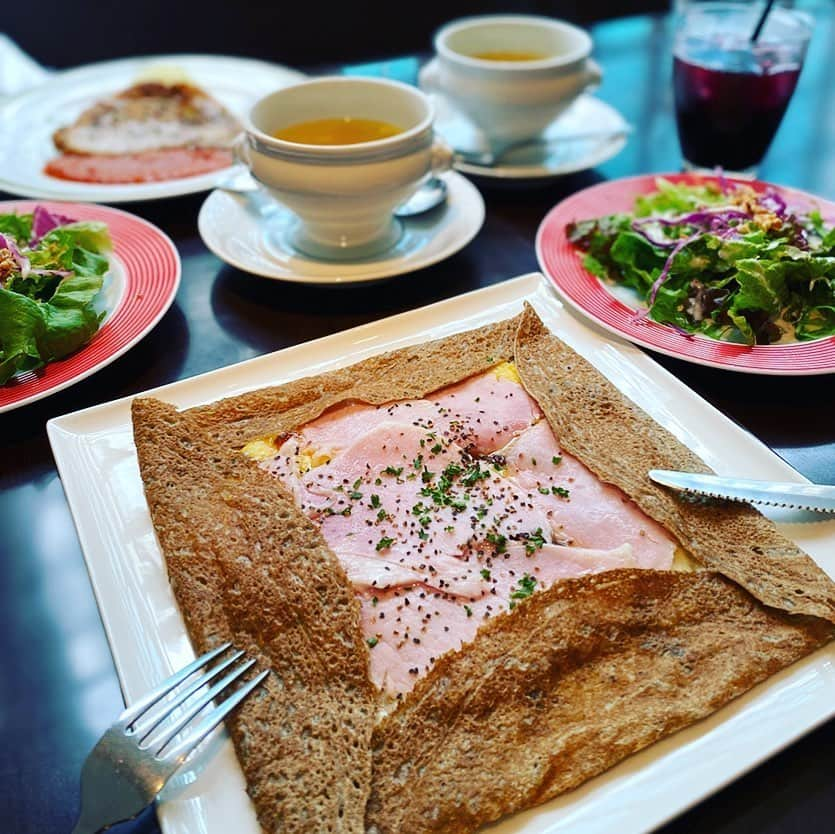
815 497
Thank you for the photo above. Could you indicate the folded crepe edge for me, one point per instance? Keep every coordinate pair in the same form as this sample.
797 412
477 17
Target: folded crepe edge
246 567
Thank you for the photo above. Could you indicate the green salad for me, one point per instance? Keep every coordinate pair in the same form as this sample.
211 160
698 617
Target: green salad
722 260
51 270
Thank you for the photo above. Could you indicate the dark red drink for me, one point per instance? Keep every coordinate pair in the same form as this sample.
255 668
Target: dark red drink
728 118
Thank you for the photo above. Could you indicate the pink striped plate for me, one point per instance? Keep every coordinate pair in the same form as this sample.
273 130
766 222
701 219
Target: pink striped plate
562 263
142 282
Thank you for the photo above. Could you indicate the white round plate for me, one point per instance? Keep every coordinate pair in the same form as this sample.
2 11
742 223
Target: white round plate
537 162
30 119
240 233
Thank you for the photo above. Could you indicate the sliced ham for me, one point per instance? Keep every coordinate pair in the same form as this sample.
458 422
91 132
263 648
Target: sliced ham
148 166
449 510
593 514
492 410
482 413
412 626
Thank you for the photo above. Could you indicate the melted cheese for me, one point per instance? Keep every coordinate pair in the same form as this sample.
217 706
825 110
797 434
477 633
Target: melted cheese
507 370
260 449
310 459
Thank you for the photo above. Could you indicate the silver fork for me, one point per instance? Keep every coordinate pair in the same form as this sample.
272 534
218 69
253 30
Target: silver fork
136 756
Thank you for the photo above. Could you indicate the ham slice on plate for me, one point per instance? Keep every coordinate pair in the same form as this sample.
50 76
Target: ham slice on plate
149 166
448 510
482 413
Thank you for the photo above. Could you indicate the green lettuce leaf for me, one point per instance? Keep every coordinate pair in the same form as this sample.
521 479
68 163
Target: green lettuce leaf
680 199
815 323
762 286
22 328
71 320
637 261
19 226
669 306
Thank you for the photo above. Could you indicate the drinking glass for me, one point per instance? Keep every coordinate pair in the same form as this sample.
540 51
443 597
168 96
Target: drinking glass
730 91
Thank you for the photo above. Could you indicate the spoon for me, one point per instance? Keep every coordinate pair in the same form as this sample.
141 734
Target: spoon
431 194
488 159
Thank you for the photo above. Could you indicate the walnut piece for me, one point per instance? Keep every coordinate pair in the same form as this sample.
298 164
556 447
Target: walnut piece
8 265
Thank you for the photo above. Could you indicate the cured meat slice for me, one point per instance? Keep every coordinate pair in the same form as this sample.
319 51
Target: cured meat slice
440 528
482 414
149 166
581 508
412 626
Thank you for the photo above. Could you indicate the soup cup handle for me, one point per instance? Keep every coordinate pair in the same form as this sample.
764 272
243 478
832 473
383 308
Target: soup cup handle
240 150
593 74
442 156
429 77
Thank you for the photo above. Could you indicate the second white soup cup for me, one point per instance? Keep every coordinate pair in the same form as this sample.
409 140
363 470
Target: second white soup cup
511 101
344 195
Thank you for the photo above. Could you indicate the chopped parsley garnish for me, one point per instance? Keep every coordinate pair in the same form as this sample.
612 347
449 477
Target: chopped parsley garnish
375 501
355 496
527 585
346 512
543 490
534 541
381 515
485 574
378 482
374 601
452 470
556 459
356 483
437 449
422 534
372 641
449 528
473 474
426 476
468 610
397 471
417 463
498 541
561 491
384 544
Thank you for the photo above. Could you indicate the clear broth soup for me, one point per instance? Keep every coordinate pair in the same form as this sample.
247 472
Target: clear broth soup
509 55
339 131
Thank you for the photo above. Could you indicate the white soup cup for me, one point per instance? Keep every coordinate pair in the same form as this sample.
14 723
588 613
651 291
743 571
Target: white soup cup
511 101
343 195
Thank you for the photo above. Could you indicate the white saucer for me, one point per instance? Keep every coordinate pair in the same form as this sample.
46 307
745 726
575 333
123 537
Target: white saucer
238 232
537 162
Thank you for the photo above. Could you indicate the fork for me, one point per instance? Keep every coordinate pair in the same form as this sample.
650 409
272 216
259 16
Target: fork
137 755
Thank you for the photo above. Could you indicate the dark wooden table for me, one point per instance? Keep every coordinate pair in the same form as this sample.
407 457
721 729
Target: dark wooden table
58 689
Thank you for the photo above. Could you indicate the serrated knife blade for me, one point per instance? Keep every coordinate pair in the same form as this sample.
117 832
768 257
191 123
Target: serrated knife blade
815 497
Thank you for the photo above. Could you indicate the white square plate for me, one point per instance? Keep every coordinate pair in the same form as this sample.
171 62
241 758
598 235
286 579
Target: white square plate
97 463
